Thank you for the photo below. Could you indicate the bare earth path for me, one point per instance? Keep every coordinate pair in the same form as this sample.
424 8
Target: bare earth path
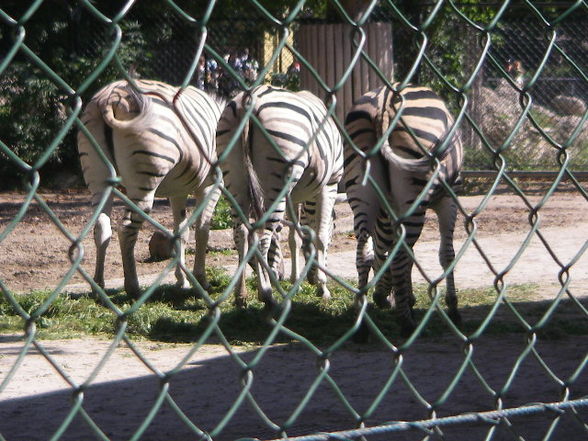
37 399
34 254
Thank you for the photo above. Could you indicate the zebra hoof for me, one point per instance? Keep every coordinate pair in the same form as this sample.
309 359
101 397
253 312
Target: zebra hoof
240 302
182 284
265 295
95 294
324 293
97 297
362 335
455 317
160 247
407 326
412 300
312 276
382 301
133 290
203 283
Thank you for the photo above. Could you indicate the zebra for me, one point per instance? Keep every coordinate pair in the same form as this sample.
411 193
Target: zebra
402 169
289 150
161 141
304 212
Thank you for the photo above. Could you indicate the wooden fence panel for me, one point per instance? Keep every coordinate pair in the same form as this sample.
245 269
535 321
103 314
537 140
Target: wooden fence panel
329 49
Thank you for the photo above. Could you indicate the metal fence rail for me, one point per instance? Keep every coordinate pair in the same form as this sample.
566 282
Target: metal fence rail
507 128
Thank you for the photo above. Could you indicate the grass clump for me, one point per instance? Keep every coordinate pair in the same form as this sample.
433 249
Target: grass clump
179 315
221 219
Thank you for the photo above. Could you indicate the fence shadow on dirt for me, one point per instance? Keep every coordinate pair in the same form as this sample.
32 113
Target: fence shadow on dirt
206 389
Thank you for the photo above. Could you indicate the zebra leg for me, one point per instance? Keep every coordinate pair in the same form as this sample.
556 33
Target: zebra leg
364 261
102 236
401 271
178 205
265 294
263 262
96 174
364 257
202 233
295 244
446 210
309 218
324 222
384 239
241 237
396 278
130 226
400 276
276 258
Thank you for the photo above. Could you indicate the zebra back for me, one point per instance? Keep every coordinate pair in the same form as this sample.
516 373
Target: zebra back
158 137
417 122
291 131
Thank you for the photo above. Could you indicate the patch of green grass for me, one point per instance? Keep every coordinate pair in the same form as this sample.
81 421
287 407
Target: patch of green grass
221 218
65 318
176 315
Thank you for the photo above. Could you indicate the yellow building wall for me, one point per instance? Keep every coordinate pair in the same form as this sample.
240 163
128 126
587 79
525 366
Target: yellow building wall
270 45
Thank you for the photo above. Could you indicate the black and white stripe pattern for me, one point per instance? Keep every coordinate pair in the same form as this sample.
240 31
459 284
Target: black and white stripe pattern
418 145
289 149
161 141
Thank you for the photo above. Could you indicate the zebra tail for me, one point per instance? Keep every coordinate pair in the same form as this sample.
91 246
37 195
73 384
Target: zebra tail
395 161
125 108
421 165
255 190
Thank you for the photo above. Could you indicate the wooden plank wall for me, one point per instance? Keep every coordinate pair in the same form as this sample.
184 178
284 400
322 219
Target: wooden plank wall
329 48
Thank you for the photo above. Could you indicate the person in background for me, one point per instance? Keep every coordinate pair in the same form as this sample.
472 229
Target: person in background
201 73
515 69
212 74
249 66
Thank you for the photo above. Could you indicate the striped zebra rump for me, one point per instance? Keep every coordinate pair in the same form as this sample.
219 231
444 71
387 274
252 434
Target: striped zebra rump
160 140
420 156
290 149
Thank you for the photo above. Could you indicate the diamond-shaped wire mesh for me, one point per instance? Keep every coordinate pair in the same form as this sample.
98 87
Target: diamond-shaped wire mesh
186 363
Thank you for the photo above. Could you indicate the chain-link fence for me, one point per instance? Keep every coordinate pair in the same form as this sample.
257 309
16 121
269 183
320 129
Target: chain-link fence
558 95
514 76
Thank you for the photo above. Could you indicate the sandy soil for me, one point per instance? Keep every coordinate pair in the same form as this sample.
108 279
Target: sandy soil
34 252
36 395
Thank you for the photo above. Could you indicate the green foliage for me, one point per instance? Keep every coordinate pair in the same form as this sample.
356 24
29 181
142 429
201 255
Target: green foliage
449 54
72 42
222 215
29 100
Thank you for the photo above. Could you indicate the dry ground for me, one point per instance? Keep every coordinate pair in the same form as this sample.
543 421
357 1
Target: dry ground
34 254
37 399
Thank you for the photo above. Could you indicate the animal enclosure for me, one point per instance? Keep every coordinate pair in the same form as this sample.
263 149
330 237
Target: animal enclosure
184 363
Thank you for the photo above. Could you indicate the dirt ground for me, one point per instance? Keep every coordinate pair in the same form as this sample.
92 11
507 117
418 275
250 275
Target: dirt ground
36 395
34 251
